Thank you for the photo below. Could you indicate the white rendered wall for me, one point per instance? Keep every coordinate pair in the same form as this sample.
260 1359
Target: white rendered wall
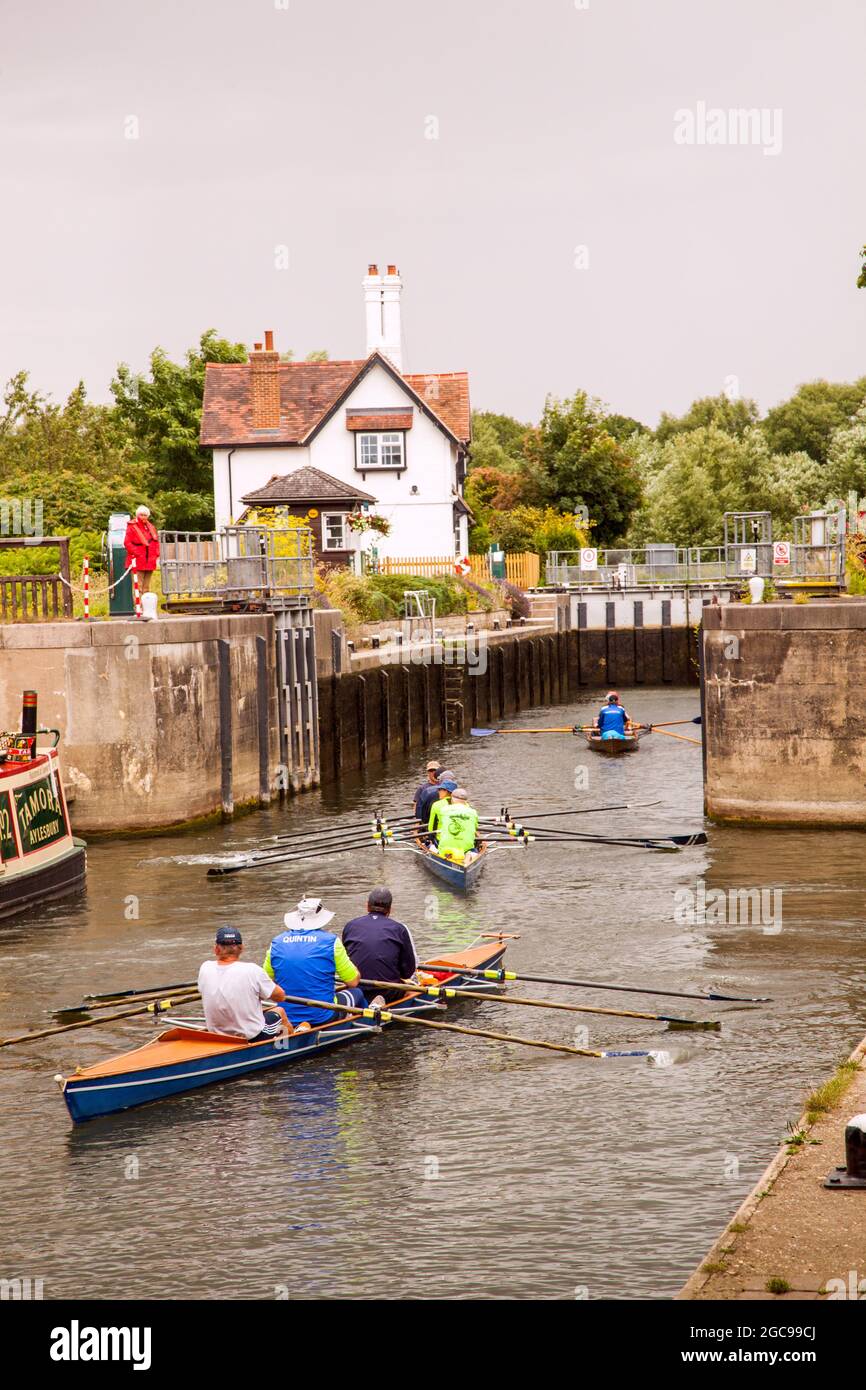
422 524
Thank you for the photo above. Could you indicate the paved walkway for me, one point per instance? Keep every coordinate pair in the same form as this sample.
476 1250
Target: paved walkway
795 1229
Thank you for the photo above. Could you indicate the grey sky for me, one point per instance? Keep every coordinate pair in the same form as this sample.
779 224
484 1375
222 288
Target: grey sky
305 127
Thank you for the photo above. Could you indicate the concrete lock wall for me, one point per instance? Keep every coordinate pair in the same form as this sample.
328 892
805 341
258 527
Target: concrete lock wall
784 699
160 722
365 717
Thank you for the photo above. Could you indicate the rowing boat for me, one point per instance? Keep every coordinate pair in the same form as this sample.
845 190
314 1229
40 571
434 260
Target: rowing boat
463 877
614 747
186 1057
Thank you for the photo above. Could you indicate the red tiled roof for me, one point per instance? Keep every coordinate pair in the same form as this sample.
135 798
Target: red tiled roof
309 392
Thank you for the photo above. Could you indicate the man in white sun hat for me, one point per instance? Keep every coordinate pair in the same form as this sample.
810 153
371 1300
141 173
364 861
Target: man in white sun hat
308 962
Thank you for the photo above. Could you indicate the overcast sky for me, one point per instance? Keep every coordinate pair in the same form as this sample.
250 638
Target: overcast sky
557 234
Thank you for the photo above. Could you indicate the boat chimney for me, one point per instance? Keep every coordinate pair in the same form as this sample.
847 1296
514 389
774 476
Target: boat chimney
28 712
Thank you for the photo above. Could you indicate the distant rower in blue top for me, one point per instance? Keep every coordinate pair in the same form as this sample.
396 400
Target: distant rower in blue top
612 720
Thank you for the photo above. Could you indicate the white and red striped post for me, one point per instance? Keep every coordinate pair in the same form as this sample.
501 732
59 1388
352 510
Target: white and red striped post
85 577
136 591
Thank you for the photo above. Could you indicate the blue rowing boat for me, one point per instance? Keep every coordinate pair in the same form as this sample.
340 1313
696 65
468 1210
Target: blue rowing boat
184 1058
463 877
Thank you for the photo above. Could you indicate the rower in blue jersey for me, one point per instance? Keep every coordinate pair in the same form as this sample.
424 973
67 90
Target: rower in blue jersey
306 961
612 720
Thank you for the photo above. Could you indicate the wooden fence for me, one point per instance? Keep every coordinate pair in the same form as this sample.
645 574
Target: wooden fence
25 597
522 570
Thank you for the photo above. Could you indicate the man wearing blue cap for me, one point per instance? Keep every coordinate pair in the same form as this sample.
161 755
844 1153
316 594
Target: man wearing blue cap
232 992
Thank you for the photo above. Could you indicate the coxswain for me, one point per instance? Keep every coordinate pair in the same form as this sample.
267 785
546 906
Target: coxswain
612 720
232 992
380 947
458 827
307 961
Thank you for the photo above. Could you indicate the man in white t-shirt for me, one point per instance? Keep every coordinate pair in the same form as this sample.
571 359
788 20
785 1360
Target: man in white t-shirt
232 991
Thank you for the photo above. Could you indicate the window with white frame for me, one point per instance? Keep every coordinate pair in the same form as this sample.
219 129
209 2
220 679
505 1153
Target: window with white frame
381 450
334 531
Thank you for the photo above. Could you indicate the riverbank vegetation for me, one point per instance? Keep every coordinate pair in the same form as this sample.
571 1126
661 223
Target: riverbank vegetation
581 474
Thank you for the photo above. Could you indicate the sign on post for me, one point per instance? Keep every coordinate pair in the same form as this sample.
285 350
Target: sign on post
589 559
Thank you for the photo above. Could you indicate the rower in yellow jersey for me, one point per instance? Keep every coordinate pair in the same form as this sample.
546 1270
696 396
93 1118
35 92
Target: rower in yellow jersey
456 826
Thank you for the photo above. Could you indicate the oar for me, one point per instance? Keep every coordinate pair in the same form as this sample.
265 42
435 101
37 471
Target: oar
390 1016
132 993
261 858
502 975
666 722
154 996
563 729
446 992
339 830
159 1006
667 733
545 833
573 811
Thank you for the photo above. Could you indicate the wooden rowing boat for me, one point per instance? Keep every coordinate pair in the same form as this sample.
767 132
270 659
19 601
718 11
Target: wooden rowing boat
184 1058
463 877
615 747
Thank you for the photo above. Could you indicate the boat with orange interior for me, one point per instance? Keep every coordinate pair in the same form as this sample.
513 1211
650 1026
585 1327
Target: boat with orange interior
187 1056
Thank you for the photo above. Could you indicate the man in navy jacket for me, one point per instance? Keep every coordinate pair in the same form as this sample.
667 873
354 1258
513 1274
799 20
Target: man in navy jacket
380 947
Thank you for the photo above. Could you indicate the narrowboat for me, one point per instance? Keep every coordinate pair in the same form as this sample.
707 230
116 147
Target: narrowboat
40 858
186 1057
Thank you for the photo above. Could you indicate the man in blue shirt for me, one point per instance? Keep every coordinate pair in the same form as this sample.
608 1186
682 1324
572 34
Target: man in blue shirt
427 793
306 961
612 720
379 947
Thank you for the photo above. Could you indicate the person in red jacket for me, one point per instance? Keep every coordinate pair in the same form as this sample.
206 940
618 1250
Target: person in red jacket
141 542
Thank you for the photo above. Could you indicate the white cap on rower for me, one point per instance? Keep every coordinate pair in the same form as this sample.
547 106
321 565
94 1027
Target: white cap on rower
309 914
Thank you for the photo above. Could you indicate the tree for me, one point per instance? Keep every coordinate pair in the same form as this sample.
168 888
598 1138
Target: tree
861 278
693 478
734 416
846 464
810 418
162 412
623 427
582 465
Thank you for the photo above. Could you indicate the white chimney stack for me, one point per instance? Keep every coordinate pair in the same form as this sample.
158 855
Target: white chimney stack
382 306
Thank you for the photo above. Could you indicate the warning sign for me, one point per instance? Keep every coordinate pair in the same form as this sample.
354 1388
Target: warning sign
589 559
781 552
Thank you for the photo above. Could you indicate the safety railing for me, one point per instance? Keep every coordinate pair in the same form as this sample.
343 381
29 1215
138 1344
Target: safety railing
238 563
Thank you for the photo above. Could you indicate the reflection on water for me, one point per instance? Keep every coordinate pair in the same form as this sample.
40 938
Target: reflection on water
609 1176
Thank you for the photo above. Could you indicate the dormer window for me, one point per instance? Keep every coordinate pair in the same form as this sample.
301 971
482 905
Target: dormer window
383 449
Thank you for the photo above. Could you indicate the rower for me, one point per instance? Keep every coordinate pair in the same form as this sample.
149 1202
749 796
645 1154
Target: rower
232 992
305 959
612 720
445 788
458 828
427 793
380 947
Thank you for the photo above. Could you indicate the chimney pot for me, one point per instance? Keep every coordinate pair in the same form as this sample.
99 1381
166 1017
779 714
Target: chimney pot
269 340
257 347
392 270
372 270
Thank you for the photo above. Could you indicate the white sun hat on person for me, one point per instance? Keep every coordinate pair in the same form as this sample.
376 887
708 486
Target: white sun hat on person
309 914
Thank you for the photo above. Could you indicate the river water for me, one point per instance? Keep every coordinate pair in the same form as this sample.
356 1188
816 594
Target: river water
415 1165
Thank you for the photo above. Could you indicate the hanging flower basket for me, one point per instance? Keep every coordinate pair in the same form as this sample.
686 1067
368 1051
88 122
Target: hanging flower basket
360 522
